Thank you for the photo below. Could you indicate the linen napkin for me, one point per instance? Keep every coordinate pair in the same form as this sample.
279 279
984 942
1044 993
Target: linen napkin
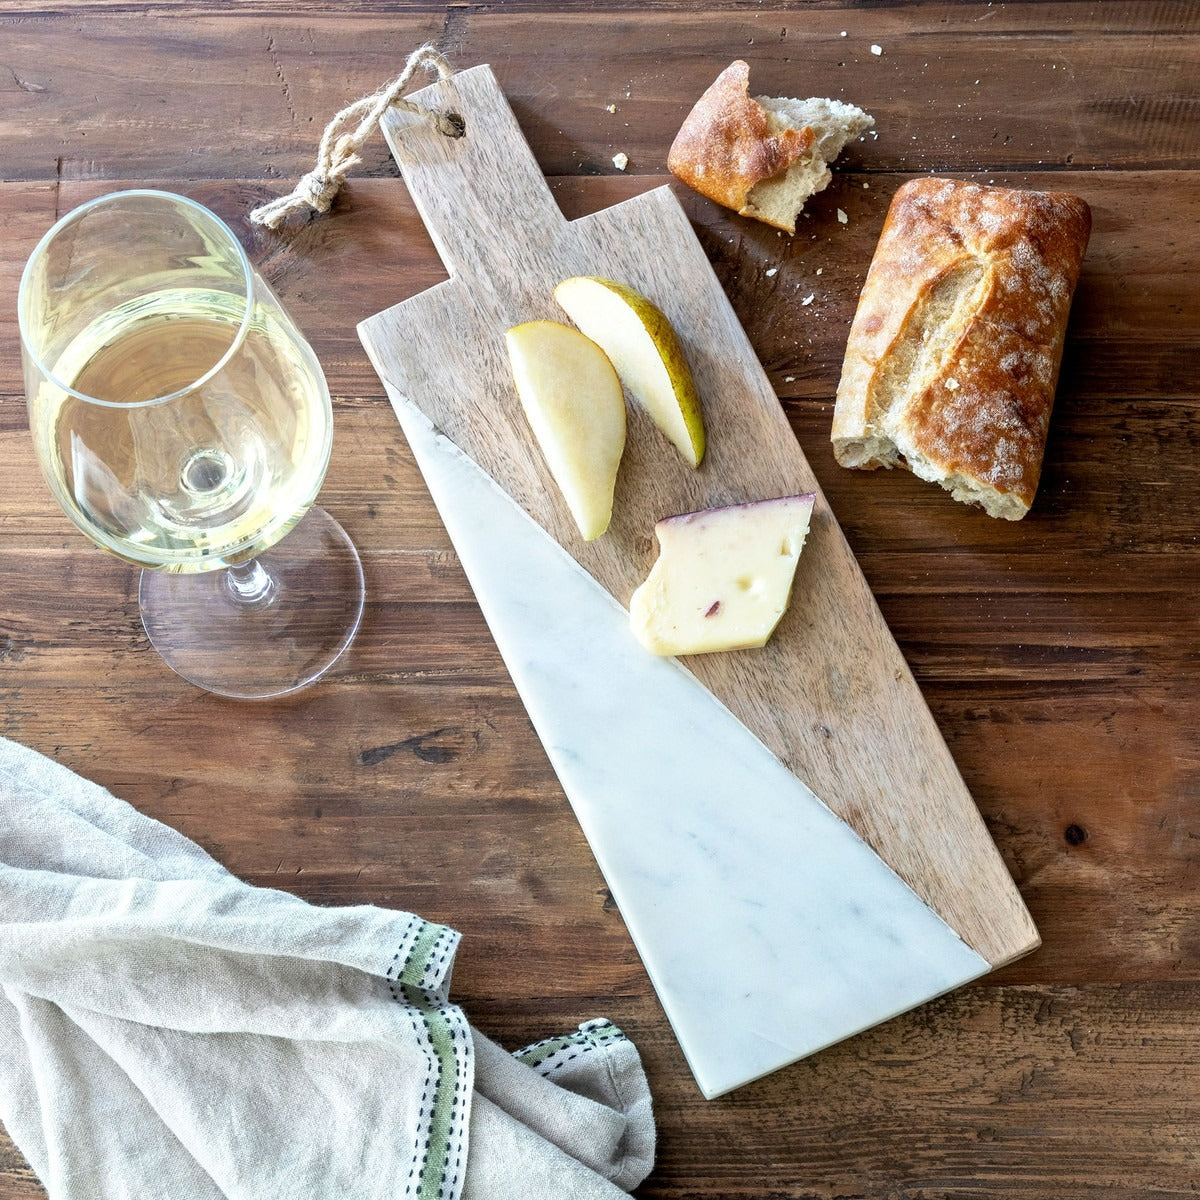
169 1031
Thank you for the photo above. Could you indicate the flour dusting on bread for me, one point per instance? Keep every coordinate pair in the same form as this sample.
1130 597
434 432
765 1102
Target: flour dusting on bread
762 156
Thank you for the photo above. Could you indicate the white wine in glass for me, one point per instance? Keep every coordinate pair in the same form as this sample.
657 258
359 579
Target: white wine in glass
184 424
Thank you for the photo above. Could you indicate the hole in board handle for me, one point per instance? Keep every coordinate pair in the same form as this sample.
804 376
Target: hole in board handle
451 124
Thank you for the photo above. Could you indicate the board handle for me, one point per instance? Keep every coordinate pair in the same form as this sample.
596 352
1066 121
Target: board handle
472 175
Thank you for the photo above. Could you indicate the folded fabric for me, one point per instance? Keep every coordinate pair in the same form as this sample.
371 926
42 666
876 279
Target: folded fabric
169 1031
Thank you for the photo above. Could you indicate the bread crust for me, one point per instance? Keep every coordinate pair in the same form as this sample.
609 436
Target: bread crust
725 145
952 359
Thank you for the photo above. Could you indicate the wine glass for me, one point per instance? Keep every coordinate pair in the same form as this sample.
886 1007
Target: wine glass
184 424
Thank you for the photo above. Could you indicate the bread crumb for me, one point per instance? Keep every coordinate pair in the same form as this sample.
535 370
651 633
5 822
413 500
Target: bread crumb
789 379
876 50
820 270
952 385
809 299
620 161
772 271
842 218
866 187
843 33
612 108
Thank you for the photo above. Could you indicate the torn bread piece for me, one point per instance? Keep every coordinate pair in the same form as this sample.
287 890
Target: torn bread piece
763 157
952 359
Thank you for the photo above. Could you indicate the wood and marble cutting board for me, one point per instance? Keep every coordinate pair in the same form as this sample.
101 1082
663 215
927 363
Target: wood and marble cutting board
787 837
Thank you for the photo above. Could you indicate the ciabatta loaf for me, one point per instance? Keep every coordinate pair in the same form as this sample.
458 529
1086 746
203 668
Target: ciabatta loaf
952 360
763 157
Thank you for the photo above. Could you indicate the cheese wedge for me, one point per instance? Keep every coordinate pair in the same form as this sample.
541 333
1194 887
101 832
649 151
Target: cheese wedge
723 578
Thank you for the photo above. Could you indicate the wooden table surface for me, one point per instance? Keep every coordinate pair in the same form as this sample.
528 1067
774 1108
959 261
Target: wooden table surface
1059 654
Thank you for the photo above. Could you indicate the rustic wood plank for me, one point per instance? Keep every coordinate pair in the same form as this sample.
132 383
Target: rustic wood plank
943 91
1135 324
1080 17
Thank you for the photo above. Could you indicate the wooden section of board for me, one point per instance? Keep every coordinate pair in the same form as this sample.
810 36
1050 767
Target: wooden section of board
831 694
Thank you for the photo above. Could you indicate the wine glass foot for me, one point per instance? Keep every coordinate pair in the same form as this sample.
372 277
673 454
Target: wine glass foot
263 630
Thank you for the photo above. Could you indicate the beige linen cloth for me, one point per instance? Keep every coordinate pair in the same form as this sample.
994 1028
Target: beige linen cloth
169 1032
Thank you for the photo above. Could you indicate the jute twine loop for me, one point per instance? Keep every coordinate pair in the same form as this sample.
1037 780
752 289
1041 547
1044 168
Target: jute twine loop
340 144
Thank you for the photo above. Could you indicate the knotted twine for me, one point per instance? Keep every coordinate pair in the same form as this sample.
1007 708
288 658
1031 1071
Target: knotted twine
340 144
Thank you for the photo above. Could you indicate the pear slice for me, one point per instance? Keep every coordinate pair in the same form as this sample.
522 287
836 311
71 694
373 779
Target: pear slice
574 404
645 350
723 577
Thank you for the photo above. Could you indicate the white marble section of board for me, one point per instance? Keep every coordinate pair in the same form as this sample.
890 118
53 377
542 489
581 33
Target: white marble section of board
768 927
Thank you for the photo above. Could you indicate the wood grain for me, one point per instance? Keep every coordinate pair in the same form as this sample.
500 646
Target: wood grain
1097 86
1059 658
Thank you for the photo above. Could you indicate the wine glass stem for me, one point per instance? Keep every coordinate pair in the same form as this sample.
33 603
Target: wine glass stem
250 584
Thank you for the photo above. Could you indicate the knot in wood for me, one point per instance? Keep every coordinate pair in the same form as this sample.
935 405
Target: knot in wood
451 124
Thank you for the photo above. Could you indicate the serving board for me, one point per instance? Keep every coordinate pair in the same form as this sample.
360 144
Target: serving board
706 786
